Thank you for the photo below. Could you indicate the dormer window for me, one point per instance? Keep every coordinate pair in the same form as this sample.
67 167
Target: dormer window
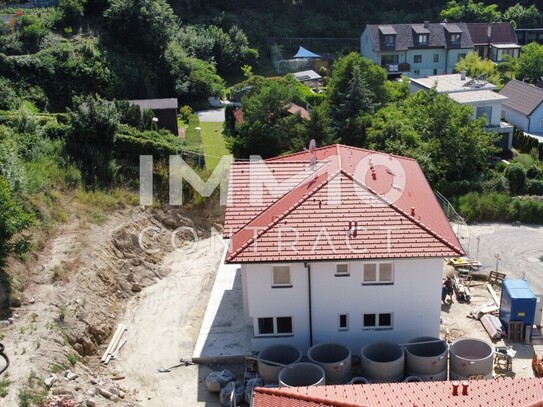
390 40
456 38
423 39
388 35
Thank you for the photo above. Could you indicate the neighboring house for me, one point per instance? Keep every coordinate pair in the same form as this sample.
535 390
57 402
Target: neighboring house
527 35
474 92
345 247
494 40
524 106
309 78
416 50
164 110
525 392
293 108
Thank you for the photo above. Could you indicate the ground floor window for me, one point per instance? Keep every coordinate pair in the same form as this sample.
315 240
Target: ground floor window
343 322
377 321
274 326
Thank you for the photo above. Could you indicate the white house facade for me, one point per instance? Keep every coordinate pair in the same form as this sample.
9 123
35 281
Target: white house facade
347 247
478 94
524 106
416 50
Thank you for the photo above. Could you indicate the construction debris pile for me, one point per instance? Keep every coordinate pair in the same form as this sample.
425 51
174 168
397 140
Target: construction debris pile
537 364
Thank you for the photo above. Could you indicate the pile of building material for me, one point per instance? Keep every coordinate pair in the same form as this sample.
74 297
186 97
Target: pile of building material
493 326
537 364
117 342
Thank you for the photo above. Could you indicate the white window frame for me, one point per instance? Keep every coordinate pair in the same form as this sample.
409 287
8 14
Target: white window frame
275 284
275 329
343 328
378 277
456 38
423 38
342 273
378 326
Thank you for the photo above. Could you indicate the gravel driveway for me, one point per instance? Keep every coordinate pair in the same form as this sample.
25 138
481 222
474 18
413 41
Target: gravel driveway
520 250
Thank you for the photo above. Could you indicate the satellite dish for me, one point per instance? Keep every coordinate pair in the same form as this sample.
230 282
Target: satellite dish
312 146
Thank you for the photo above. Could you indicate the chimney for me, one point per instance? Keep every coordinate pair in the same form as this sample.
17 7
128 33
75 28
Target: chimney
462 75
455 388
426 24
465 385
489 32
412 211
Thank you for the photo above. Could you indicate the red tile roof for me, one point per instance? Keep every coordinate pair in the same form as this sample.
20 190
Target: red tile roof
294 108
311 212
498 392
238 115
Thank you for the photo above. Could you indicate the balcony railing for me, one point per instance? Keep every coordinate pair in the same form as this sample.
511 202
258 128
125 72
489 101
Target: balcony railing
401 67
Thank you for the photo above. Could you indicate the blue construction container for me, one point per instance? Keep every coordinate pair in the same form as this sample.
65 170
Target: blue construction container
517 303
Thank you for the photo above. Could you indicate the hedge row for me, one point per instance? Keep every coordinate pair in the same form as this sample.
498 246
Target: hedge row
499 207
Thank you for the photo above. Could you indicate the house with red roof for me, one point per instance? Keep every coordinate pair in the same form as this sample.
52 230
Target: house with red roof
476 393
339 244
292 109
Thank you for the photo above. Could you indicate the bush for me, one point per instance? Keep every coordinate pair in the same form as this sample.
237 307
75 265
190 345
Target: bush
496 183
516 175
526 210
534 172
491 206
534 187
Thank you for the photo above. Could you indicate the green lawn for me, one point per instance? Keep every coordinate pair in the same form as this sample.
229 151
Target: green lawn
213 141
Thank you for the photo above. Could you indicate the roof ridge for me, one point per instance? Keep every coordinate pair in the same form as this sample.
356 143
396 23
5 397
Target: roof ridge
277 219
339 147
405 214
285 392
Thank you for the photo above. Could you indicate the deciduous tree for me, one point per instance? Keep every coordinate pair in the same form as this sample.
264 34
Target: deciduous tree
530 62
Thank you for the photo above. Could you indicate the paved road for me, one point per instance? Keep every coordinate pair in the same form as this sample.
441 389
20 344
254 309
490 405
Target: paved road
520 250
211 115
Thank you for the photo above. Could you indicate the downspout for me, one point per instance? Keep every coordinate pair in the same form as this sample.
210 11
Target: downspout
308 267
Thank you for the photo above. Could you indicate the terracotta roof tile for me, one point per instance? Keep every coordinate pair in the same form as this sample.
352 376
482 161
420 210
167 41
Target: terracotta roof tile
294 108
498 392
311 213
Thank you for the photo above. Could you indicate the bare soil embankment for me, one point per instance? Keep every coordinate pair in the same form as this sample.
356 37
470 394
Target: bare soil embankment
77 290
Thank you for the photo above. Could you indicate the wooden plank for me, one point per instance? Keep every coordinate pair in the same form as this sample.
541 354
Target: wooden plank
493 293
116 353
108 350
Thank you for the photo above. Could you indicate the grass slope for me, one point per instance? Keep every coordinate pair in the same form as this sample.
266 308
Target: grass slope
213 141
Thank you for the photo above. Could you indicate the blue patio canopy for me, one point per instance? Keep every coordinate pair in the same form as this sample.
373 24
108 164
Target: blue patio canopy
304 53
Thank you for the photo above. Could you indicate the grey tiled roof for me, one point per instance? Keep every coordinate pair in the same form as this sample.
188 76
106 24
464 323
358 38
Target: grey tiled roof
501 33
406 36
523 97
156 104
